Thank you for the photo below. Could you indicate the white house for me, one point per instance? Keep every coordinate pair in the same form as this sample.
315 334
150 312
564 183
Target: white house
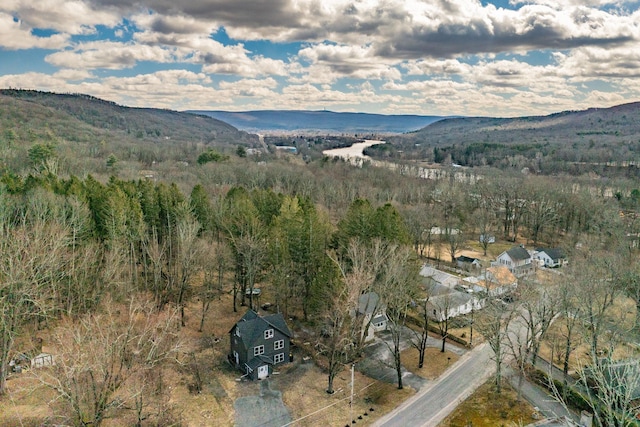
550 257
517 260
447 303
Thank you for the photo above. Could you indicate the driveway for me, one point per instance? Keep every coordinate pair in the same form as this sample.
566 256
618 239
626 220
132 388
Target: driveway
264 410
378 361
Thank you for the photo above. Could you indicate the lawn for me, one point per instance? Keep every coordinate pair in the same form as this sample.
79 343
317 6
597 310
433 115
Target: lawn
485 408
435 363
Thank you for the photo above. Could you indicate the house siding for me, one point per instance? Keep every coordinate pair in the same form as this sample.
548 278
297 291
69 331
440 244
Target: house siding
246 346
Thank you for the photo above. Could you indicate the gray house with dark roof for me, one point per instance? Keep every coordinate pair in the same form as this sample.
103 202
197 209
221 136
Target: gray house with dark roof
552 257
258 344
373 314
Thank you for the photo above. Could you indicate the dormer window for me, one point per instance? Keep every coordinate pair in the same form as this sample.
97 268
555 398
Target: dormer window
268 334
237 332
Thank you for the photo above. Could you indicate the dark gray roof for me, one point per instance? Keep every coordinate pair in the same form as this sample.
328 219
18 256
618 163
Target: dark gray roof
378 319
259 361
463 258
277 321
518 253
623 374
252 326
554 253
368 303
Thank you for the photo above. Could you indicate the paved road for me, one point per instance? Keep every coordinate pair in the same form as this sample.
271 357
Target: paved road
547 405
434 402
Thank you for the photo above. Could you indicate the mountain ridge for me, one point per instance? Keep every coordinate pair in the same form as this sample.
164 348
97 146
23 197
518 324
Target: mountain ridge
109 119
320 120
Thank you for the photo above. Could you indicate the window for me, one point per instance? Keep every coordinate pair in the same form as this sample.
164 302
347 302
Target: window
278 358
258 350
268 334
278 345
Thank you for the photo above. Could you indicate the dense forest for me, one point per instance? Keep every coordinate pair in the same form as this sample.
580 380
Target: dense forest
109 241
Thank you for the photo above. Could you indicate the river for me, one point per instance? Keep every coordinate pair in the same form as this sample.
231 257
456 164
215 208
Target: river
355 153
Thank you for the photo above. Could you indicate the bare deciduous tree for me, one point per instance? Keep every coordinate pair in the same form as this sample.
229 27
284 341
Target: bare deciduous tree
101 355
397 290
421 337
33 253
493 324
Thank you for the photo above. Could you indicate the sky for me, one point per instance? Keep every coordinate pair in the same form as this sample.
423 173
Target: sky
501 58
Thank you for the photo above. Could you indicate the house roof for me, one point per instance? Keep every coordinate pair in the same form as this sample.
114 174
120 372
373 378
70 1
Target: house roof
463 258
518 253
378 319
553 253
439 276
251 326
500 275
437 289
259 361
451 300
368 303
623 373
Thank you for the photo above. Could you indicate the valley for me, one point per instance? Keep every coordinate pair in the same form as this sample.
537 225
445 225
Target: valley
135 239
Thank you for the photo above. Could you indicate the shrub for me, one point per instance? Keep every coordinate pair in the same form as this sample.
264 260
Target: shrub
211 156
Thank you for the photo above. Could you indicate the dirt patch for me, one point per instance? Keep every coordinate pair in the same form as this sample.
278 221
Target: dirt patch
26 402
435 363
485 408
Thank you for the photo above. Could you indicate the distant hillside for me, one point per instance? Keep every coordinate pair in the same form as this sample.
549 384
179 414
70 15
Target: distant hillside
326 121
68 115
89 135
616 122
593 136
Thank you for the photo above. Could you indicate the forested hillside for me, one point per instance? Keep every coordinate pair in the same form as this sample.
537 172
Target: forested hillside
92 129
131 269
574 141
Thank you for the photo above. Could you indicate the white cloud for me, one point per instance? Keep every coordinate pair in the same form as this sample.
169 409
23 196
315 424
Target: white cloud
243 65
596 62
73 75
330 62
110 55
430 56
15 35
66 16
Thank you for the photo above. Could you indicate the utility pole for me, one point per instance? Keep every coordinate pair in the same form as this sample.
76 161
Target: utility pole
353 366
473 302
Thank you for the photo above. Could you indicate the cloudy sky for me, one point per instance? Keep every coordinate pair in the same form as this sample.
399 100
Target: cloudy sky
440 57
